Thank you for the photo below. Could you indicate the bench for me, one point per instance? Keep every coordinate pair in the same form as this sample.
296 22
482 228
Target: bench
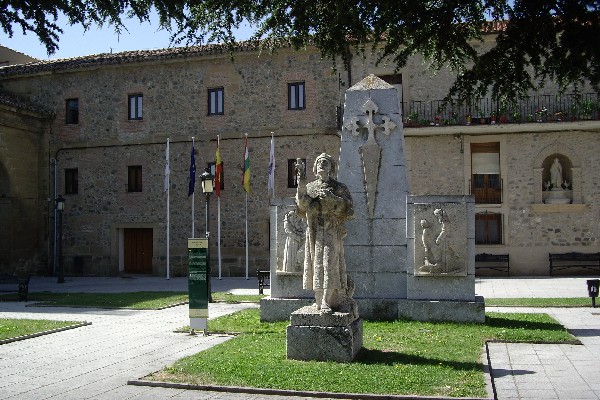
15 284
262 275
495 262
560 261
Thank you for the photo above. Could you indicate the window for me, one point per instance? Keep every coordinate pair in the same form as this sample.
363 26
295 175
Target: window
134 179
296 96
72 117
135 106
215 101
486 184
71 181
488 228
292 178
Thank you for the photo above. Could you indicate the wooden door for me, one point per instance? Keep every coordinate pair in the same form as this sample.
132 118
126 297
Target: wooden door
138 250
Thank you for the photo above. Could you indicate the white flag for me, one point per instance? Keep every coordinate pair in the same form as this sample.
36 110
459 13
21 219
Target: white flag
271 185
167 168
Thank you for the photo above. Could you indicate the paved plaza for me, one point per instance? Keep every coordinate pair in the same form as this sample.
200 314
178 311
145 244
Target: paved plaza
124 345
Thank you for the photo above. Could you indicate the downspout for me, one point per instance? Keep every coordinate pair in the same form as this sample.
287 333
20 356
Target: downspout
54 208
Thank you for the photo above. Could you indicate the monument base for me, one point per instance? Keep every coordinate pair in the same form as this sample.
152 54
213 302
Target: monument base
276 309
279 309
312 336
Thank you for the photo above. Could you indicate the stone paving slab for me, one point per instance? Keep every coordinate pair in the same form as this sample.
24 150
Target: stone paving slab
550 371
126 344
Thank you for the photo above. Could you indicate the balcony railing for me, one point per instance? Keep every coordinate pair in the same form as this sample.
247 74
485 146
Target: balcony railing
539 108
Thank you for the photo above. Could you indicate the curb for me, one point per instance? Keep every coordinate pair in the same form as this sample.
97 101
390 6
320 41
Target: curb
34 335
281 392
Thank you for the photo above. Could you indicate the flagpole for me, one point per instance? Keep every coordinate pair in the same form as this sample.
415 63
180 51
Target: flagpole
167 182
271 183
193 230
246 184
219 233
247 236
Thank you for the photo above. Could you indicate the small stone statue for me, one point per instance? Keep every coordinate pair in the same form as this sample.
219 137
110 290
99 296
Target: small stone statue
556 177
293 253
326 204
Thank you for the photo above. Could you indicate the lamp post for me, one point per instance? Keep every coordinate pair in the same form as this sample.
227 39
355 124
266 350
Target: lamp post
208 185
60 207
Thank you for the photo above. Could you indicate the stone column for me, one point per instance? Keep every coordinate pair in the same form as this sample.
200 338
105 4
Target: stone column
373 166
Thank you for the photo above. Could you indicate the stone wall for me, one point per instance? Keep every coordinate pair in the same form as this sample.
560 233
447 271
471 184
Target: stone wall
23 177
105 143
174 92
439 162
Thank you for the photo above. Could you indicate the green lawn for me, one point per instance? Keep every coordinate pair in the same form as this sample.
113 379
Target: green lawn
533 302
12 328
401 357
132 300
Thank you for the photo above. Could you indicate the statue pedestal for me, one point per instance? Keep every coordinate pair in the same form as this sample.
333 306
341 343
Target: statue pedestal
323 337
558 196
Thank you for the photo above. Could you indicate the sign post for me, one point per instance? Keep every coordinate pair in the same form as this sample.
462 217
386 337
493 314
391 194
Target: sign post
198 283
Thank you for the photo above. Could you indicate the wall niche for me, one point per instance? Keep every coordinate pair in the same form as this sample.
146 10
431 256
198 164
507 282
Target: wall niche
557 176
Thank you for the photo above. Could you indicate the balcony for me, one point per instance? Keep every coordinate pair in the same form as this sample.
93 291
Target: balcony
485 111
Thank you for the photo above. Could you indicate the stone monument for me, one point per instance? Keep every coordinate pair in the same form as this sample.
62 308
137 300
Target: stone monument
330 329
408 256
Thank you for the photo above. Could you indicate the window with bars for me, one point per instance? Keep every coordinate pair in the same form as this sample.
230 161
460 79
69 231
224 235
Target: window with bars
135 106
215 101
486 184
296 96
72 111
488 228
71 181
134 178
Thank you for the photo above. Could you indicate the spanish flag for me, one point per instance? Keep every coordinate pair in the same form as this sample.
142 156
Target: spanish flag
246 176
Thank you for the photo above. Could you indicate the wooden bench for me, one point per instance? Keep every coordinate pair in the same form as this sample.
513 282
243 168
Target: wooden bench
560 261
15 284
262 275
495 262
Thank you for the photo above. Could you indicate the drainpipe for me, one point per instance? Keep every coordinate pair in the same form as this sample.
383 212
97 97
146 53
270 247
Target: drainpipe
54 208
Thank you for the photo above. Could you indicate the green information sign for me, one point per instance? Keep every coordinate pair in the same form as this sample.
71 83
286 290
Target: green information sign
197 277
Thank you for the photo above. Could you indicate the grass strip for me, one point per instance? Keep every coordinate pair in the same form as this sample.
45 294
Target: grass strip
237 298
131 300
401 357
539 302
11 328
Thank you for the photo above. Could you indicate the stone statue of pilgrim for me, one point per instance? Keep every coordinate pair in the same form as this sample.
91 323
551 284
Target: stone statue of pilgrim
326 204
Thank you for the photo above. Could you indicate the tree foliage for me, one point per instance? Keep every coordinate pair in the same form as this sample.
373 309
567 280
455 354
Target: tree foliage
541 40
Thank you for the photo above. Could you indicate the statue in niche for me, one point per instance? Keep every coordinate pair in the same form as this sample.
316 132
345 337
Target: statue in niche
327 205
293 253
438 255
556 177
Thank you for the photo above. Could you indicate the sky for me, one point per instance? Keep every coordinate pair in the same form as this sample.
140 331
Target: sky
75 42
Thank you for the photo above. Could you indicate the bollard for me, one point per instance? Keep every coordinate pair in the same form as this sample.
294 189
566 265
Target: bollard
593 287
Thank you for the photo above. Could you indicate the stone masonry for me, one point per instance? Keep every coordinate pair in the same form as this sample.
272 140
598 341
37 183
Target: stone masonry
174 84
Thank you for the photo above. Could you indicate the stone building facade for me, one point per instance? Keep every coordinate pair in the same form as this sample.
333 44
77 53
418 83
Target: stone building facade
109 117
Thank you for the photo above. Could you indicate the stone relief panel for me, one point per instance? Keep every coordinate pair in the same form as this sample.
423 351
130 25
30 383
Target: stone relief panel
440 240
293 251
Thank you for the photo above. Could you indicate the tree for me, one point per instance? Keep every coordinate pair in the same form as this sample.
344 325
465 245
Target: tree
539 39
